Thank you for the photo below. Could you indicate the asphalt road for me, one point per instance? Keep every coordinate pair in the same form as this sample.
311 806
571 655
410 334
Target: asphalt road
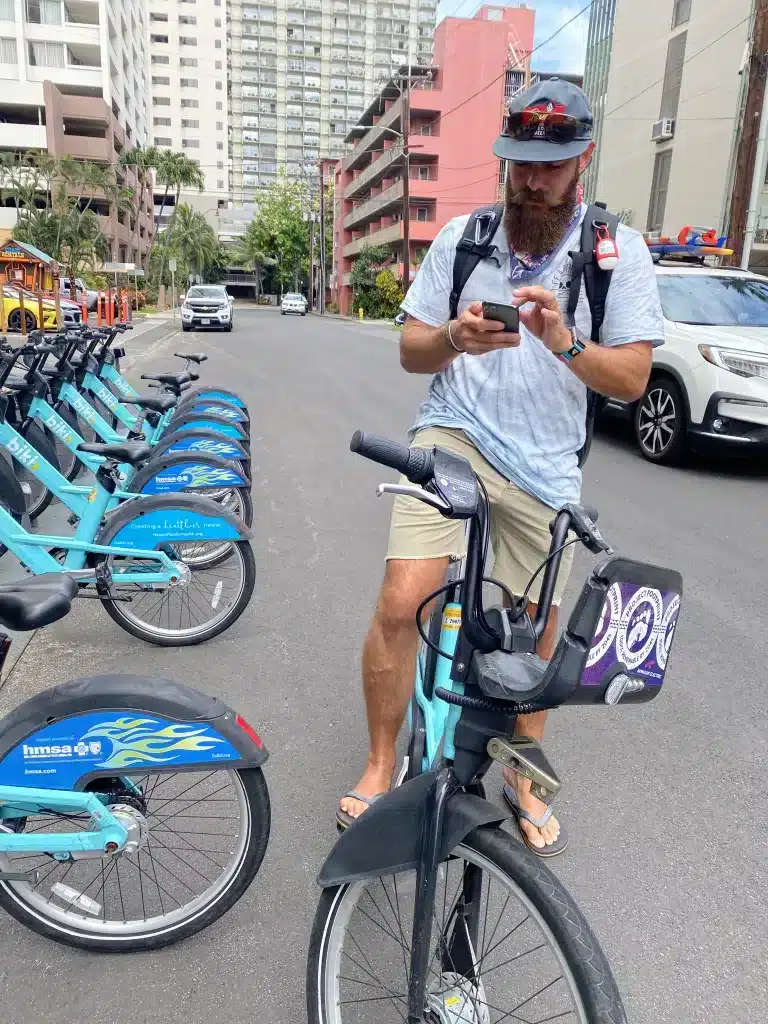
665 802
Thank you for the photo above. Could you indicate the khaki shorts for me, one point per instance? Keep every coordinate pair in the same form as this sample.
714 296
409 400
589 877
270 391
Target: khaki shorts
520 534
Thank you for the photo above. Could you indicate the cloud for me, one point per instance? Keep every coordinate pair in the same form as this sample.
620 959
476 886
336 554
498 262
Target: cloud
565 52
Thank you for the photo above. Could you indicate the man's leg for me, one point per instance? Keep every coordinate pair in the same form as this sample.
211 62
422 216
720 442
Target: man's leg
533 726
389 666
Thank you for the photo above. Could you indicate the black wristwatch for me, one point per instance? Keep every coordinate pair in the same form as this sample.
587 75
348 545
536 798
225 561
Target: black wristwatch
576 349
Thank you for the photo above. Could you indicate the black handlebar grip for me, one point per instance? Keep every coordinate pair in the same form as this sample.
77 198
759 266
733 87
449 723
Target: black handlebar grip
415 463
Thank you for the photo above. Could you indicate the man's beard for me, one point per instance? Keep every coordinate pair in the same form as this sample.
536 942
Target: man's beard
537 228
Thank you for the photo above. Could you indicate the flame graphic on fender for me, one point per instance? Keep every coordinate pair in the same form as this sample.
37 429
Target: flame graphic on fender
137 741
205 476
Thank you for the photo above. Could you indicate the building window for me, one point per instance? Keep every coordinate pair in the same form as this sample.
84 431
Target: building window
681 12
187 41
219 86
160 80
160 59
673 76
7 51
190 143
422 213
219 145
188 83
219 126
158 39
189 104
220 165
162 141
659 186
186 19
217 65
217 44
217 22
221 183
46 55
219 105
152 17
161 101
162 122
423 174
190 124
44 12
188 62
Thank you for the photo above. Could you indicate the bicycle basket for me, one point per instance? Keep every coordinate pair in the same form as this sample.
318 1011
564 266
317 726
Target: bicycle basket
618 639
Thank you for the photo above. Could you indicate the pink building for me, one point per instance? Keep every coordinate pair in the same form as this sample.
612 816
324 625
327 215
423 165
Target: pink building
456 109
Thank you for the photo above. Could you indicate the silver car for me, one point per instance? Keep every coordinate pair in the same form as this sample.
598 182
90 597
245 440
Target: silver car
207 305
292 302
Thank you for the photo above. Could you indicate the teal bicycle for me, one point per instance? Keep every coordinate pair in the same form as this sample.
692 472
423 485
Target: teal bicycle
431 913
133 810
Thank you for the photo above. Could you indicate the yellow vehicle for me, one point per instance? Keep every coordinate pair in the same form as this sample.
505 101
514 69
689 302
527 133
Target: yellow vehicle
70 312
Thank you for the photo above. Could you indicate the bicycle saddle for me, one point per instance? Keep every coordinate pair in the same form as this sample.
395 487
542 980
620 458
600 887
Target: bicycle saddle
193 357
174 379
513 677
159 403
32 603
132 452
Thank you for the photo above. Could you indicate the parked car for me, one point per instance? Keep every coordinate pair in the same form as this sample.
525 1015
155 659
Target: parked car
709 382
91 295
207 305
70 311
292 302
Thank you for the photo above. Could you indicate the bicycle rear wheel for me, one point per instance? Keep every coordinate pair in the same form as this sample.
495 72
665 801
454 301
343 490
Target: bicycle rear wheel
509 944
202 838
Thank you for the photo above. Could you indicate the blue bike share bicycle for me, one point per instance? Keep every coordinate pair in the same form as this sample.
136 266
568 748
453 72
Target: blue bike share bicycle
133 810
431 913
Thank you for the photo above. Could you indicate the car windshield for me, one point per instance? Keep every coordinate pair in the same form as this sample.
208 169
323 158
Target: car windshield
714 300
293 296
206 293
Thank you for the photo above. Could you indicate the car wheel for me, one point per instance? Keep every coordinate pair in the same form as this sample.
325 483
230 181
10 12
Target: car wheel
660 422
14 320
229 326
186 328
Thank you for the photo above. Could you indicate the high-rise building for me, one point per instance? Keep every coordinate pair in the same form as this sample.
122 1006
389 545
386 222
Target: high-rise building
597 64
74 78
189 91
302 73
456 111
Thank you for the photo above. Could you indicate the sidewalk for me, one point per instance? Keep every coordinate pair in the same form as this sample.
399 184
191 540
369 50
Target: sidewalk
352 319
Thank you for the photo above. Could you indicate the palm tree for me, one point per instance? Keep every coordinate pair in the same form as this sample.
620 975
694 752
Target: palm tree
143 160
249 254
192 237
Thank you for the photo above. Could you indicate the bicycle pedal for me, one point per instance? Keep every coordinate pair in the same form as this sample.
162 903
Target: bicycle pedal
525 756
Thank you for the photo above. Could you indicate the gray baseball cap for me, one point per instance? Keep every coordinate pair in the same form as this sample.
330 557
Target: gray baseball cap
550 121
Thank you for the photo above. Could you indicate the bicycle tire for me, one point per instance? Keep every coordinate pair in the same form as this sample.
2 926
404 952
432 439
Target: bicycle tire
577 945
257 797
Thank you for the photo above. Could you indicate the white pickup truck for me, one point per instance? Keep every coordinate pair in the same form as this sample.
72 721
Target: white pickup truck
90 293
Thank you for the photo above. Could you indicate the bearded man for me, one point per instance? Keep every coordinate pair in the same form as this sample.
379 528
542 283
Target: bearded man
513 404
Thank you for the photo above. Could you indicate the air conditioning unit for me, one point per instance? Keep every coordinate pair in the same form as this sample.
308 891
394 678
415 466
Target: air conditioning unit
663 129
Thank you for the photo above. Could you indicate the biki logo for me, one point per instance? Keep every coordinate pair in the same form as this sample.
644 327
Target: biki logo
23 453
106 397
82 408
59 428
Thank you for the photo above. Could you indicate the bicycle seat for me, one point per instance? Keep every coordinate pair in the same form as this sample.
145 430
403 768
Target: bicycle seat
159 403
513 677
132 452
193 357
32 603
174 379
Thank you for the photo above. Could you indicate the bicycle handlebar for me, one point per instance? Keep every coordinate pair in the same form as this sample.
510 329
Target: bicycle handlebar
415 463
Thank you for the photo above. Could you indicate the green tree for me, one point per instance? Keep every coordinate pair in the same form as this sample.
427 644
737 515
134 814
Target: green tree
143 160
191 241
280 230
247 253
362 279
389 292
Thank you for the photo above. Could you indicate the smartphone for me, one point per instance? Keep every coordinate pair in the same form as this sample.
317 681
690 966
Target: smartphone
508 315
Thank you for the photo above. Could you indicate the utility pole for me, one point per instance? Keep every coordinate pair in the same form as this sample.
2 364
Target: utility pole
748 168
321 303
406 184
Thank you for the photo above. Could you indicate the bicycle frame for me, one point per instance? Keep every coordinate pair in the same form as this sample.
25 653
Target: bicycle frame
107 834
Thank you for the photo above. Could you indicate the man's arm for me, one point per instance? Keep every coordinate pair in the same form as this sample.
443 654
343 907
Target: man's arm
425 349
621 371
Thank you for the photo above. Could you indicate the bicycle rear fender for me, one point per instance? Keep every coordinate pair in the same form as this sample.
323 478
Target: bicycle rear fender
386 839
201 439
215 394
147 522
195 418
112 724
176 471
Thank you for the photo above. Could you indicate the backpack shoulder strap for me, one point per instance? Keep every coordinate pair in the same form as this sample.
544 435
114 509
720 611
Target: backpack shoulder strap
475 245
585 268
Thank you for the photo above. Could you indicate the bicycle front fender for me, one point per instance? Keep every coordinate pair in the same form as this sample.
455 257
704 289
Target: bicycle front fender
387 838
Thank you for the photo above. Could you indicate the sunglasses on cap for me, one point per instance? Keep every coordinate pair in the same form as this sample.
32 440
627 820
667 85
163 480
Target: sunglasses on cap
549 126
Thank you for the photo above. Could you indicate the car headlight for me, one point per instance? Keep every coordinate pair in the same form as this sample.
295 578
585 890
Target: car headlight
224 305
745 364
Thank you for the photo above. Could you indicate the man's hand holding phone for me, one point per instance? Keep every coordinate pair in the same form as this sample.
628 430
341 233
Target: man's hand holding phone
477 335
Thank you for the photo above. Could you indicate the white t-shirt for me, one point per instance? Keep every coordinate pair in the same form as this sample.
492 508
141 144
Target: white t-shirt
524 409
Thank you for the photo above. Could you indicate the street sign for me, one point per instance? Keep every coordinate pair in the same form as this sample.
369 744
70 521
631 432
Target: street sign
119 268
172 264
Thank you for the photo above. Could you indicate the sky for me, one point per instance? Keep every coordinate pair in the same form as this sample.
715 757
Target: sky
565 53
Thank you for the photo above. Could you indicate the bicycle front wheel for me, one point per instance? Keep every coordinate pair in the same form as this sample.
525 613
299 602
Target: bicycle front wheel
202 838
508 944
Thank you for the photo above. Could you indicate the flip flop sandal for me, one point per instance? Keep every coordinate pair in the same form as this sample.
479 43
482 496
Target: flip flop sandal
559 845
344 820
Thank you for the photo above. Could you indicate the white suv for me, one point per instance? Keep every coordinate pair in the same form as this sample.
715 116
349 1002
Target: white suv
709 383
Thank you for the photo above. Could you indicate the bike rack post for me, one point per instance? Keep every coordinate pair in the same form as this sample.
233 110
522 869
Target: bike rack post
40 310
110 310
3 313
84 308
98 309
57 302
22 314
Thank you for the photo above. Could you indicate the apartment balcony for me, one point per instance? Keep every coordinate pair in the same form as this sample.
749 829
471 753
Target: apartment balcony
376 206
389 119
374 172
22 136
86 147
384 236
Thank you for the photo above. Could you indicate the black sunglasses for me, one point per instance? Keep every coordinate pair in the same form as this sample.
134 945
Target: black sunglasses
525 125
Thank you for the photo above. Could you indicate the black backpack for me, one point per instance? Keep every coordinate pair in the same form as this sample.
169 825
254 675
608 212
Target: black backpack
476 245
